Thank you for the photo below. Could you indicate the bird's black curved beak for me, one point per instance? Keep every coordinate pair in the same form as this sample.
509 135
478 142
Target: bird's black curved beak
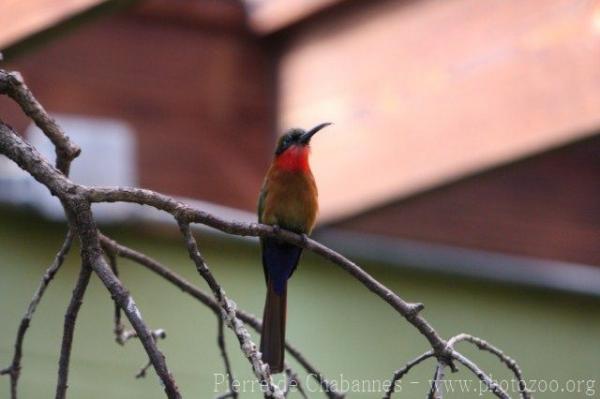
305 139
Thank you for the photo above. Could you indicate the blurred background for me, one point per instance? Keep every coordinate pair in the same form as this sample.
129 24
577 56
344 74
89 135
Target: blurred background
462 171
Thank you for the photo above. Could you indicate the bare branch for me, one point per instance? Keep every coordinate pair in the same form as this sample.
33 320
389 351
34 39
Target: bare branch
11 84
209 301
187 214
77 199
15 367
232 393
403 371
126 335
436 391
122 335
69 329
507 360
156 334
118 327
143 370
493 387
30 160
228 308
293 382
327 386
81 215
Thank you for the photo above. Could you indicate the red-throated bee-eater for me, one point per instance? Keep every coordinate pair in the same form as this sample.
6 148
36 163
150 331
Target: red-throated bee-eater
288 199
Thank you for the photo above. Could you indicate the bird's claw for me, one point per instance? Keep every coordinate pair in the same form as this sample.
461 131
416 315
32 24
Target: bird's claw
304 239
276 229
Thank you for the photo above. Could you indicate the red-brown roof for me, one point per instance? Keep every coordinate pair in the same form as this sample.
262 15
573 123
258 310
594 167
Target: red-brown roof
424 92
22 18
268 16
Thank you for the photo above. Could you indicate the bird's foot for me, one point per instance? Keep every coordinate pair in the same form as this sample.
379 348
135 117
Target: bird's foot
276 229
304 239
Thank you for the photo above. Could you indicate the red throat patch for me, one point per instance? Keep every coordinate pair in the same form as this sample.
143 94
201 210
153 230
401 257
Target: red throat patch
294 159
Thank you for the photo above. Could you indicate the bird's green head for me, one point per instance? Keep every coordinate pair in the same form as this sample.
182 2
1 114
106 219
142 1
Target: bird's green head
297 137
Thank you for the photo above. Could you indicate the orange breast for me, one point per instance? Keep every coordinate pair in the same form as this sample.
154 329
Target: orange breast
291 199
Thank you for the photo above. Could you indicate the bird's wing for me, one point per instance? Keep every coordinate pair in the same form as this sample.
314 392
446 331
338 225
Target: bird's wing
261 202
261 208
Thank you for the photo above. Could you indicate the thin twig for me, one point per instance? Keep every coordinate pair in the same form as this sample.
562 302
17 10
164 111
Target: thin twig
403 371
156 334
328 388
126 335
487 380
232 393
80 214
206 299
436 392
69 329
121 334
228 308
507 360
118 327
14 370
143 370
11 84
226 395
293 382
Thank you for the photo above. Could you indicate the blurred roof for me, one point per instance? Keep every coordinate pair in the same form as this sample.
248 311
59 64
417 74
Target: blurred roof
161 52
419 100
486 92
545 206
22 18
268 16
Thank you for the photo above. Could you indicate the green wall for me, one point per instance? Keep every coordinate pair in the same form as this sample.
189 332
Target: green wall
343 328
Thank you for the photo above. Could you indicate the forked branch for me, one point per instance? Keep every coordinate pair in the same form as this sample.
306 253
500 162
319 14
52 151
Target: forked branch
77 200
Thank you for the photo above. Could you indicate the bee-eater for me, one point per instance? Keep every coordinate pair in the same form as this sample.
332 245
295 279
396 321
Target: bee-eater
288 199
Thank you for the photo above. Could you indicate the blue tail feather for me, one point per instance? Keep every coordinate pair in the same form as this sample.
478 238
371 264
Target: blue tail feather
279 262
